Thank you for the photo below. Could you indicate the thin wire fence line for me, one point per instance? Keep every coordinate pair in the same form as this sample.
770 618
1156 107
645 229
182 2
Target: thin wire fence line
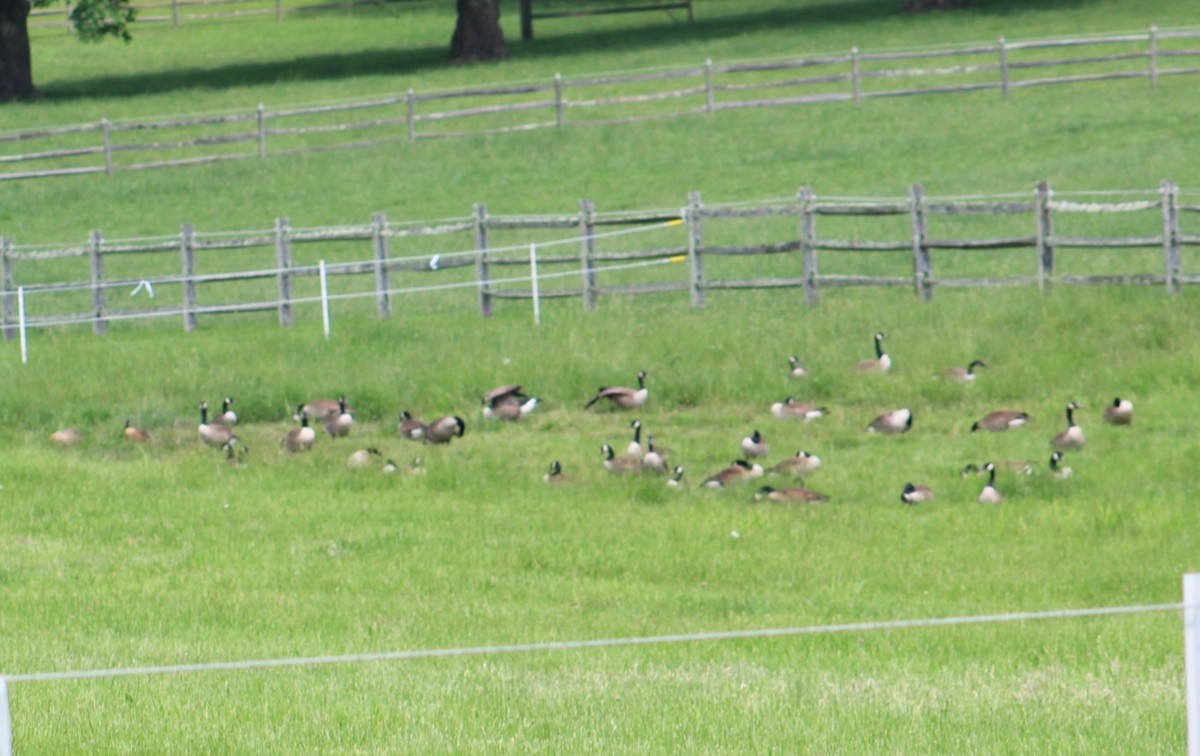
515 648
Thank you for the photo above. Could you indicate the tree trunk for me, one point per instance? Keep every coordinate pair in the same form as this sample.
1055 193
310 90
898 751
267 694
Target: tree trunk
477 35
16 70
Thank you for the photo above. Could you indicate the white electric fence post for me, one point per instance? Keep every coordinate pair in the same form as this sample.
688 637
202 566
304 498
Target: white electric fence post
324 299
1191 658
533 277
21 325
5 721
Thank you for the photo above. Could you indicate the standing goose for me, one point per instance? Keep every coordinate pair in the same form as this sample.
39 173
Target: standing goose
791 493
134 434
227 416
798 465
1120 412
914 494
964 375
1072 437
740 469
795 369
881 364
213 433
755 446
1057 468
619 465
890 423
320 410
790 409
989 494
300 439
1000 420
339 426
635 446
625 398
444 430
410 427
676 479
652 460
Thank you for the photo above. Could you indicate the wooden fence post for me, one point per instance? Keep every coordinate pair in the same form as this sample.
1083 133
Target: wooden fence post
1045 232
1170 213
695 250
855 84
262 131
283 264
526 10
7 290
710 97
922 266
278 10
379 240
411 103
1003 48
175 14
108 152
558 101
187 253
808 249
482 272
1153 55
96 257
587 251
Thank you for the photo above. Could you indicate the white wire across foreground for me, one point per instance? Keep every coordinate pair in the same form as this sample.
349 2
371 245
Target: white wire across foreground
1190 606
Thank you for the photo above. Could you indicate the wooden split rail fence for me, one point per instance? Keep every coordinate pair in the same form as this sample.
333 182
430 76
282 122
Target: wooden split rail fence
586 231
106 146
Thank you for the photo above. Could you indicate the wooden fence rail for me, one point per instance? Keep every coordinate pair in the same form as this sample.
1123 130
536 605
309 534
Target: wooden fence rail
109 146
597 246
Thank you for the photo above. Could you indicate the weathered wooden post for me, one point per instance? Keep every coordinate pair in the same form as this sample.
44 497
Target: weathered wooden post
283 274
695 249
526 10
262 131
710 97
106 132
808 247
175 14
7 290
922 265
411 114
379 241
1170 215
1004 83
587 251
482 271
96 257
1045 233
187 253
1153 55
278 10
559 115
855 84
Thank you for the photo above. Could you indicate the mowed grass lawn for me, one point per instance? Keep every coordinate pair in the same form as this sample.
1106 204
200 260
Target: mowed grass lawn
115 556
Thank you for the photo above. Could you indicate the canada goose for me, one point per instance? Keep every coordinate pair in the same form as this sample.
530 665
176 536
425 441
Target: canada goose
1072 437
228 416
755 446
1120 412
212 433
1000 420
504 393
619 465
410 427
362 457
989 494
676 479
510 408
790 409
914 494
389 467
555 473
339 425
796 370
739 469
964 375
234 455
791 493
635 446
798 465
881 364
300 439
897 421
135 434
625 398
66 436
652 460
1059 470
417 466
320 410
1016 466
444 430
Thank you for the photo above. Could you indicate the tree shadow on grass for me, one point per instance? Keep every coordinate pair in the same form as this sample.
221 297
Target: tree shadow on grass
552 40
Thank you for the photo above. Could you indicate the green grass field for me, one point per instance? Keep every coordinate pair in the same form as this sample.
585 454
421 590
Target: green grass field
113 555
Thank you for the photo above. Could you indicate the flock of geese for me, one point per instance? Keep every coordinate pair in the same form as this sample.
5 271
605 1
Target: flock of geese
511 403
